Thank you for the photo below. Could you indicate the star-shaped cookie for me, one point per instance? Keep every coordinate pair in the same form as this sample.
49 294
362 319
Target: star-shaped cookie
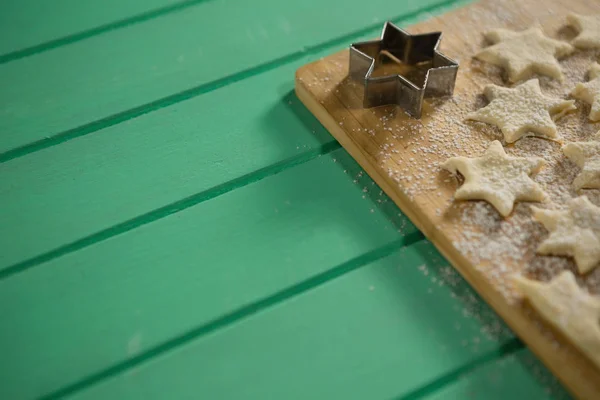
574 232
497 178
588 27
525 53
590 91
571 309
522 111
587 157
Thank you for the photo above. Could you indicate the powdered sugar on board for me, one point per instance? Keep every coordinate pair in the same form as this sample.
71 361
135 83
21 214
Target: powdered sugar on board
500 247
403 155
410 151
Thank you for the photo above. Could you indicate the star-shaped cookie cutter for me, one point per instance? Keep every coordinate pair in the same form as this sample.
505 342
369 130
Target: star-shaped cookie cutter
410 50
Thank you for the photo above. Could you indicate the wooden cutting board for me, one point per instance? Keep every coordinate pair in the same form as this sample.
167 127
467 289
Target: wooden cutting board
402 155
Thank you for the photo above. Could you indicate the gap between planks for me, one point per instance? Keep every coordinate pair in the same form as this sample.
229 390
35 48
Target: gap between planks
169 209
504 350
240 314
95 31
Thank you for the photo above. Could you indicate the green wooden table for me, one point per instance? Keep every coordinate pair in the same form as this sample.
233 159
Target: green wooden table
174 224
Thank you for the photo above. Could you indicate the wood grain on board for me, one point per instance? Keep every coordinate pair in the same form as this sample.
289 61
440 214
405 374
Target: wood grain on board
324 88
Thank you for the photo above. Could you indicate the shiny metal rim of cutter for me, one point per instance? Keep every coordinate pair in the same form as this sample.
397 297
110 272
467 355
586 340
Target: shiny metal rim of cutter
397 89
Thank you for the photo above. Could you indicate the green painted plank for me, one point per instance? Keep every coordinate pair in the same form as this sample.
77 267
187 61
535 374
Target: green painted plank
32 25
375 333
516 376
152 64
85 311
89 184
86 185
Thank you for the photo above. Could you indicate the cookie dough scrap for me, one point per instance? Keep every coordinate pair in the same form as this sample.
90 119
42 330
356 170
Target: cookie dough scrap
574 232
524 53
588 27
569 308
590 91
497 178
522 111
586 155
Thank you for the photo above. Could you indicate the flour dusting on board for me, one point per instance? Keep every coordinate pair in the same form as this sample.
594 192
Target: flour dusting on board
498 247
405 154
411 152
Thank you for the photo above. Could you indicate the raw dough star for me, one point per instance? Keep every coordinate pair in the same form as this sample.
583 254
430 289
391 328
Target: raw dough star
573 232
497 178
522 111
587 157
590 91
588 28
524 53
569 308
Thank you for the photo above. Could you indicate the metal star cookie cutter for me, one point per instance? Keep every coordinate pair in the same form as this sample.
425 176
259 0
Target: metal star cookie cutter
408 49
